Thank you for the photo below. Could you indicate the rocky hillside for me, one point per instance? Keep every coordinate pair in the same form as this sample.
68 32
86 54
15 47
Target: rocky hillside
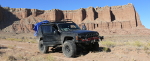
106 19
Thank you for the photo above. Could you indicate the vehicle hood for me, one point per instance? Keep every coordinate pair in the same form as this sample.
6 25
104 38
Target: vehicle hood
83 31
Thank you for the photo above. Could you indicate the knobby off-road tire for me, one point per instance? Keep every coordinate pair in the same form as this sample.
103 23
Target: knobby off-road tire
43 49
95 47
69 49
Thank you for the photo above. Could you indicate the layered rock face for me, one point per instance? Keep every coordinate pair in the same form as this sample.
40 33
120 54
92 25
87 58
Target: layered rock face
21 20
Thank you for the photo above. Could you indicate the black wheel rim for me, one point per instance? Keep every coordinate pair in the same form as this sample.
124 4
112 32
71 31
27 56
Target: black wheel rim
67 49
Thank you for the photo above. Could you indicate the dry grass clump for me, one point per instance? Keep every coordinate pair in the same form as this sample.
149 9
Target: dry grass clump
143 44
130 43
13 57
148 44
22 40
108 43
11 46
105 49
21 57
42 58
8 57
140 45
147 48
14 39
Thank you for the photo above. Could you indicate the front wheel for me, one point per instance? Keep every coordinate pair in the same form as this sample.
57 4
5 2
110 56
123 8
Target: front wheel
95 47
43 48
69 49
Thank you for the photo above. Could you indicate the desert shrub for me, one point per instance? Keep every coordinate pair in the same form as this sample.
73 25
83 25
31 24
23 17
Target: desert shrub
50 58
11 58
14 39
11 46
145 48
43 58
22 40
37 58
127 43
105 49
7 57
108 43
30 40
138 44
135 43
148 44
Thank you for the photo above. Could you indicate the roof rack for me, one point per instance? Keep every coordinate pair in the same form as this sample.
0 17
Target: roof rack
63 22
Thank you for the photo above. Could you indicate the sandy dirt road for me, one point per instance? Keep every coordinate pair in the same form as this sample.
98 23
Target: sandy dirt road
25 51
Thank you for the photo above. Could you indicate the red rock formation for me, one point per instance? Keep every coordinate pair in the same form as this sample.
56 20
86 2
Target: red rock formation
104 14
126 25
139 24
90 13
21 20
124 13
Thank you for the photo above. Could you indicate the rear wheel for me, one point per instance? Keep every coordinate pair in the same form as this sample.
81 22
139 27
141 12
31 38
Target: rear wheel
43 48
69 49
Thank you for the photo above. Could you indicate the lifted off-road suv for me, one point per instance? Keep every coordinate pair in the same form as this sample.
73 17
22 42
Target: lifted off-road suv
68 35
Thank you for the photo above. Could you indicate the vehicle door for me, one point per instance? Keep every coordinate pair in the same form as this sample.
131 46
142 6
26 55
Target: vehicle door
49 34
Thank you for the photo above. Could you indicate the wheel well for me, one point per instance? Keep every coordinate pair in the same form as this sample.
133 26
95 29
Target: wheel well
41 39
67 38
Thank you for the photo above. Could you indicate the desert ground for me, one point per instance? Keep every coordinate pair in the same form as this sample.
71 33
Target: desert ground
23 47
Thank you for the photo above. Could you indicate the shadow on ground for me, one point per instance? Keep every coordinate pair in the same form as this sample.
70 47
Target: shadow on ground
104 49
101 49
2 47
83 52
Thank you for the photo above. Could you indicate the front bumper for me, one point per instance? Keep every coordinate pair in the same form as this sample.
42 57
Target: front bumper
89 41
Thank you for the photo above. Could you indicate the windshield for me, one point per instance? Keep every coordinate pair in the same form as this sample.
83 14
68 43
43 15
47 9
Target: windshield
68 27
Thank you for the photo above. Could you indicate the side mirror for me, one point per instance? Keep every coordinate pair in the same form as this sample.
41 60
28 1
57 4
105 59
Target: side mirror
83 27
55 32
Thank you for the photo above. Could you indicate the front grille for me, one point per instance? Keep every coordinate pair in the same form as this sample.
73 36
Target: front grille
89 35
84 36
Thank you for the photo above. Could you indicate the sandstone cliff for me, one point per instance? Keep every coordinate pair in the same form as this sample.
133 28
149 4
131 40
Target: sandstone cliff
21 20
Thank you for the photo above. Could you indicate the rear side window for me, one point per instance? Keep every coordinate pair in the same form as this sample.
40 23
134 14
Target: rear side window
47 29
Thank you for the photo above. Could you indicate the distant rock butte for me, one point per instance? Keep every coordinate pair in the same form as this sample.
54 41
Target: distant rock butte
21 20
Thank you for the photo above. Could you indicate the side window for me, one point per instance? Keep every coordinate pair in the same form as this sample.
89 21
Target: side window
54 26
47 29
53 29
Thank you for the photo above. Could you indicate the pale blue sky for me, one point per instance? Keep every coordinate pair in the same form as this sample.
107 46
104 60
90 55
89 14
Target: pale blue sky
141 6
